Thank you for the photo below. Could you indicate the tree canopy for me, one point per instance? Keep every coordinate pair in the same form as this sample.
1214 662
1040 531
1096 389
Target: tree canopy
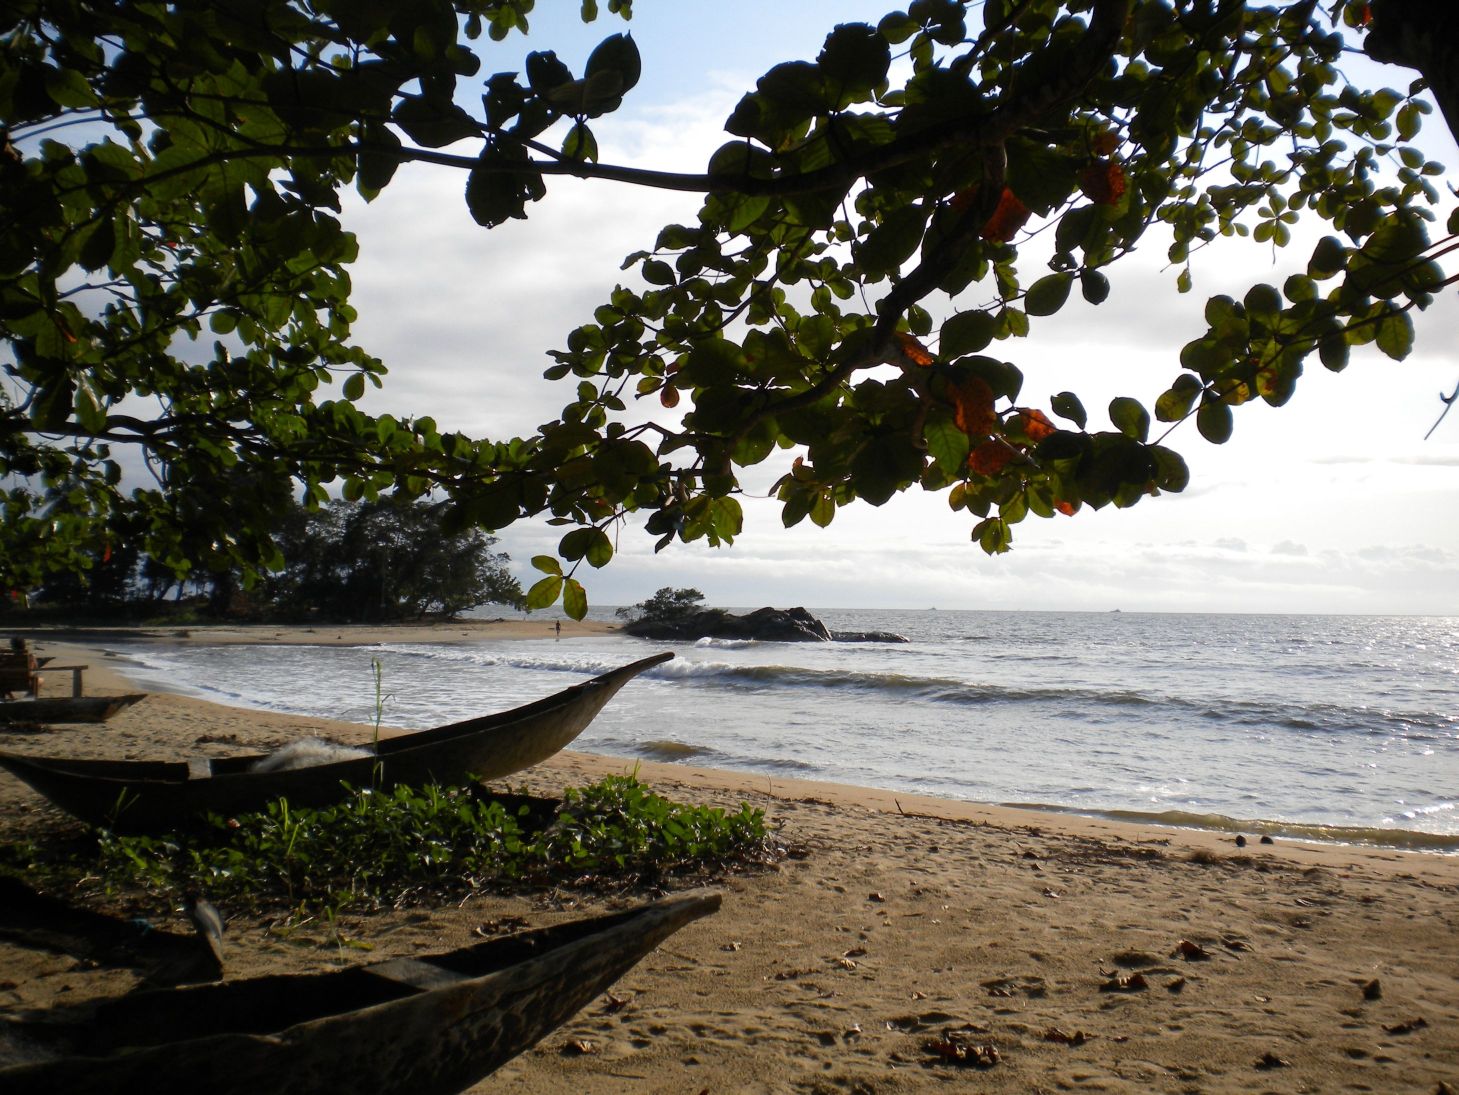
882 226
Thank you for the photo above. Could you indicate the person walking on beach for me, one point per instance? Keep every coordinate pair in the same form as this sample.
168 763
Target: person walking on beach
557 626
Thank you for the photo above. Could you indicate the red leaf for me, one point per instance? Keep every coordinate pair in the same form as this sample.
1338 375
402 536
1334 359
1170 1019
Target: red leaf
963 199
913 350
1103 182
1007 219
669 396
990 457
1035 424
1068 509
973 407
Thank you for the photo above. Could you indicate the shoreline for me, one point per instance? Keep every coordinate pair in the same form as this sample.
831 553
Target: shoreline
85 644
1089 954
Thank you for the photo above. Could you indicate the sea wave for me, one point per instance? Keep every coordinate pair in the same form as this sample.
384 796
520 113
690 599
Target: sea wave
1308 718
672 750
1367 835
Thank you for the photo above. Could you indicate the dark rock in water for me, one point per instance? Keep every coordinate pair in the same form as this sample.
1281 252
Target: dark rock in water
766 625
769 625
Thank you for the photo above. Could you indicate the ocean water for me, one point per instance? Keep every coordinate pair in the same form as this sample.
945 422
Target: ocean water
1331 727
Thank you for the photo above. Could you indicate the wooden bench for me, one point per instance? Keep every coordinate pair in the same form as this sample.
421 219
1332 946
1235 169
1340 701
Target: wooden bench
75 671
19 672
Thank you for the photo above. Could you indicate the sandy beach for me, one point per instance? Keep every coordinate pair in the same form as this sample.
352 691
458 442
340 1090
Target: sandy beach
1085 955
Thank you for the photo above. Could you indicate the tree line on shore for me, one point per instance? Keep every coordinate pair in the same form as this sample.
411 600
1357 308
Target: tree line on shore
389 559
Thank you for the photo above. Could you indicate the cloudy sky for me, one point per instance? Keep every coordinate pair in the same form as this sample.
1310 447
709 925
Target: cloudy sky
1334 503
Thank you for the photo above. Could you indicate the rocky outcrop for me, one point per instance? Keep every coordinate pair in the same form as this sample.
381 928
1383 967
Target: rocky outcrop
766 625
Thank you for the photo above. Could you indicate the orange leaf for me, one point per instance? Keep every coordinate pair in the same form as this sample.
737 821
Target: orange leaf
963 199
1103 182
1068 509
106 553
990 458
1007 219
973 407
1365 15
1035 423
1106 142
913 350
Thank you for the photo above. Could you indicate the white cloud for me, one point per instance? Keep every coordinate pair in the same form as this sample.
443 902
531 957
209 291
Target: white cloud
464 317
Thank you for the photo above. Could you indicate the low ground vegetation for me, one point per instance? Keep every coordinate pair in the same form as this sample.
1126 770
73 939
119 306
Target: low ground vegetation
413 846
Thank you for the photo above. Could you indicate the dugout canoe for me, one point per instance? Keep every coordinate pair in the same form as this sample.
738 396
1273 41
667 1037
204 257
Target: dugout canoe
154 796
66 708
407 1026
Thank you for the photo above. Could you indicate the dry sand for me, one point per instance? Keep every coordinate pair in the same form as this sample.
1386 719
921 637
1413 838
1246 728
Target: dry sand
900 922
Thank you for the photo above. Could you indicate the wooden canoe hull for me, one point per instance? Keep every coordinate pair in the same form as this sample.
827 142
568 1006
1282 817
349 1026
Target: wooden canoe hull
373 1036
66 708
152 796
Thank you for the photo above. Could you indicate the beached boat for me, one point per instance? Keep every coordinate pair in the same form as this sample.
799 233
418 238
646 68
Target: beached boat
151 796
66 708
41 921
408 1026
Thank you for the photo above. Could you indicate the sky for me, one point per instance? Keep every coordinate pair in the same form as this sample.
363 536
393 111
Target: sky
1332 504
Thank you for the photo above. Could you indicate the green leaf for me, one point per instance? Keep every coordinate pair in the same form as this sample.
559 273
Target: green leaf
1395 335
1171 472
1067 405
893 241
1094 285
354 386
1129 417
1263 300
1047 295
574 598
580 144
967 332
544 593
1329 257
993 534
616 55
947 444
823 509
1043 176
1333 353
547 564
88 412
1176 403
434 121
1214 422
854 59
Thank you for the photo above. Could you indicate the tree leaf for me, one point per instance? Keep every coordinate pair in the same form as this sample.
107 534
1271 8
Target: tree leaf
1129 417
1067 405
547 564
574 598
545 592
1047 295
1214 422
946 442
967 332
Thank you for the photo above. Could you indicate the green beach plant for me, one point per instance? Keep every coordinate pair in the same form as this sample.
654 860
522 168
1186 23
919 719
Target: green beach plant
415 845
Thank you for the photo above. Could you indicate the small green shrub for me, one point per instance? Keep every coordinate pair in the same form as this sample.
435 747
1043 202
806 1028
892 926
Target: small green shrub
411 844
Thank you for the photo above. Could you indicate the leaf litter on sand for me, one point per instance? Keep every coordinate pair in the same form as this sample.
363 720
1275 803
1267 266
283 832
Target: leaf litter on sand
958 1048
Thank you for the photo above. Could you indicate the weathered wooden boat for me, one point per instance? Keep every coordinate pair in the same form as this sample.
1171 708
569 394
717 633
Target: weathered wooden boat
41 921
66 708
408 1026
153 796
